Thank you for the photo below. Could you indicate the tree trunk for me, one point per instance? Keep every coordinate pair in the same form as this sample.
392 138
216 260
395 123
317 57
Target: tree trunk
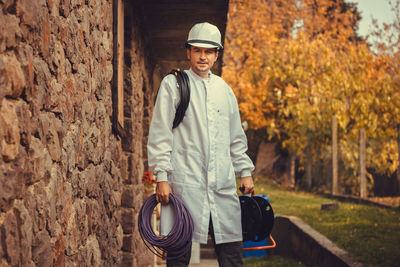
308 164
335 188
363 171
292 170
398 169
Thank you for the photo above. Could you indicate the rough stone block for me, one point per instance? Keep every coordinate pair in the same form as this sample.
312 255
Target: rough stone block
55 97
12 76
24 54
40 207
43 76
125 164
10 188
329 206
95 214
10 31
81 223
94 182
49 134
69 152
11 238
93 252
59 251
78 183
119 235
139 194
9 132
72 42
56 205
71 240
127 142
128 220
2 245
91 145
127 244
31 12
25 232
128 259
24 124
127 199
39 160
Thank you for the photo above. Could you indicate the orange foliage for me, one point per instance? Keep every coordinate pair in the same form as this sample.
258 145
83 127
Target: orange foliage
293 64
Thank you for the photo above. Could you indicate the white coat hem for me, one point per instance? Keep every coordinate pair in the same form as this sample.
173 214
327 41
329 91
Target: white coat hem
203 240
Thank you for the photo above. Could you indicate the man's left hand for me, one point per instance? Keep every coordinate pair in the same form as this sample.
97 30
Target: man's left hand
247 184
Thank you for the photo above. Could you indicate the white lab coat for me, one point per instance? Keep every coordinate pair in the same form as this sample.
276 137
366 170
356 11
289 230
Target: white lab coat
200 157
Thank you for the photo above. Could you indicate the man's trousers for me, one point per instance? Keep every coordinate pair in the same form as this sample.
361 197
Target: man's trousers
228 254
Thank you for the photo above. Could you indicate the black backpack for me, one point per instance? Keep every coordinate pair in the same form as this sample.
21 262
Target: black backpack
183 84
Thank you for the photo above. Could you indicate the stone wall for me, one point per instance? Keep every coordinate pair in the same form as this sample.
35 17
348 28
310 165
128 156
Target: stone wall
70 190
138 87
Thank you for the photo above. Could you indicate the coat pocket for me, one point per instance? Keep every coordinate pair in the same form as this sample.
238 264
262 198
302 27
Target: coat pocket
188 167
225 174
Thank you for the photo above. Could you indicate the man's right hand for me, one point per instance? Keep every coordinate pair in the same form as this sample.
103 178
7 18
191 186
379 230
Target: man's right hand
163 189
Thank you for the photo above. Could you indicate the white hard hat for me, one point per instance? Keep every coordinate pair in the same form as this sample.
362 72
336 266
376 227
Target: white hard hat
204 35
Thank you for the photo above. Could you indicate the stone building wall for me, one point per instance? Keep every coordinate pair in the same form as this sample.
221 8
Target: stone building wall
70 190
138 88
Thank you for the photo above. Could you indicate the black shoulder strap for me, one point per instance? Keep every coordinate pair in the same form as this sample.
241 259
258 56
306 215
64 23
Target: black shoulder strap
183 84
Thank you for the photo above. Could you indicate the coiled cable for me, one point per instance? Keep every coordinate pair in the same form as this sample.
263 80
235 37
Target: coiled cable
183 84
178 241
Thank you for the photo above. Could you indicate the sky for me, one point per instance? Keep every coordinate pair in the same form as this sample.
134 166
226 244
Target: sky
378 9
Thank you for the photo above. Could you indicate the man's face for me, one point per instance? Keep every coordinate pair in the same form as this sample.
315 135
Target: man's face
201 59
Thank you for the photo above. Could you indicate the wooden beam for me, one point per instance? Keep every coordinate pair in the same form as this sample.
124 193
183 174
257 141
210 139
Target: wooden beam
120 52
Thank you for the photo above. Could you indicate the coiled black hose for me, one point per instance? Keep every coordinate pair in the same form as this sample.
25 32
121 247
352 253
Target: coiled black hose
183 85
179 239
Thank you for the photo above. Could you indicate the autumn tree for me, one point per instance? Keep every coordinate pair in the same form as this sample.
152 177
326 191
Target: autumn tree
385 42
294 64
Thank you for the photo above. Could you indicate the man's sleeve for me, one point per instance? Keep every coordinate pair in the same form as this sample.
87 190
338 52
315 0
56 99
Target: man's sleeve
159 145
242 164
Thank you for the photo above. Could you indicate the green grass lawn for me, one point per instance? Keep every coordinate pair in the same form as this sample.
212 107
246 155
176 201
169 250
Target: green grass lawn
370 234
273 261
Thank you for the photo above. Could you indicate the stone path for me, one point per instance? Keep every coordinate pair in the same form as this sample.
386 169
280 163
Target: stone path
203 263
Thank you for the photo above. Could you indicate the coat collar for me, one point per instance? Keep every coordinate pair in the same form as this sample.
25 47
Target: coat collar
197 77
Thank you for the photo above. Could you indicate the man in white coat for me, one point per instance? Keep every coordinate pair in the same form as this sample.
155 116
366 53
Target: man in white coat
198 159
